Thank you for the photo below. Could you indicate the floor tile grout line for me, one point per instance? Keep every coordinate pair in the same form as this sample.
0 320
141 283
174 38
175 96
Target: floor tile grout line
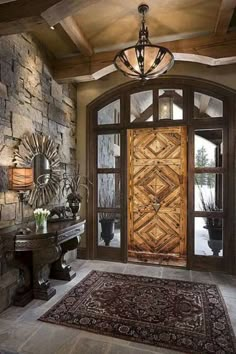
108 348
76 342
32 334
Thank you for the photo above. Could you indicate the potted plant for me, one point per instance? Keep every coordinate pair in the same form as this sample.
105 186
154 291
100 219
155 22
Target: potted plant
107 220
41 216
72 185
108 227
213 224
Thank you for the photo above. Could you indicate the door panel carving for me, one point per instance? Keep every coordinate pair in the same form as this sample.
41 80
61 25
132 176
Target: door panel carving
157 195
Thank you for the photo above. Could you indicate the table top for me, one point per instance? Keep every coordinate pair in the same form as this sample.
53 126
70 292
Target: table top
57 232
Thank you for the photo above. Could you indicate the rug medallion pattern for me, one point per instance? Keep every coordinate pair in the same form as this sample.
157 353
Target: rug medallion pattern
185 316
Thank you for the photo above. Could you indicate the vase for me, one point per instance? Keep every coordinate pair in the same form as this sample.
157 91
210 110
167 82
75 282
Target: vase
107 233
41 226
75 207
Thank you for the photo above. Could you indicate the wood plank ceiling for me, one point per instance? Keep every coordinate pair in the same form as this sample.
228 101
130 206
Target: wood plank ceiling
84 35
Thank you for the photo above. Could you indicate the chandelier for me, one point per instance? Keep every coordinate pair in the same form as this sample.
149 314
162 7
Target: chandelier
144 60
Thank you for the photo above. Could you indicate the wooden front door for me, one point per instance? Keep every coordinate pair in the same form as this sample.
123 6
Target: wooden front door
157 195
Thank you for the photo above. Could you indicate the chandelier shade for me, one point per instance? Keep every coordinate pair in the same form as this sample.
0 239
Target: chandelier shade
144 60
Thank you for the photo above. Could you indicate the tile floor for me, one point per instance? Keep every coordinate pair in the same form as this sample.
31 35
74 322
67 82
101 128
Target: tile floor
20 331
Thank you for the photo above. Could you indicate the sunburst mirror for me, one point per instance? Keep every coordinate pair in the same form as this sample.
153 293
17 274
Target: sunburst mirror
41 153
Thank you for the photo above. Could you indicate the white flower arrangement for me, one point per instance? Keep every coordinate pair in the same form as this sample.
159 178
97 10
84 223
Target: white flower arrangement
41 215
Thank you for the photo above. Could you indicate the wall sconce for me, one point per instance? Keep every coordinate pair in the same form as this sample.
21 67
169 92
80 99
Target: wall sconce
20 179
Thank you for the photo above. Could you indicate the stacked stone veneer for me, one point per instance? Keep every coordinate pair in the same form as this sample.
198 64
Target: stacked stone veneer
30 101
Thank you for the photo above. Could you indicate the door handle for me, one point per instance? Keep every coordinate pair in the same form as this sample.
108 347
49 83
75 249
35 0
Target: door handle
156 205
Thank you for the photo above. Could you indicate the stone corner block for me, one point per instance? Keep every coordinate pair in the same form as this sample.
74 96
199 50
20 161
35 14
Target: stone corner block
3 90
8 212
21 125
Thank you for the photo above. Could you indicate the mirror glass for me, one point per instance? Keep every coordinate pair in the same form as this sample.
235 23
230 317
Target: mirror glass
41 168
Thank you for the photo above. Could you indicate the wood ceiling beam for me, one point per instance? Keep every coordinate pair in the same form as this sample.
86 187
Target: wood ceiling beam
224 16
71 68
101 64
25 24
5 1
199 44
26 15
22 15
77 36
63 9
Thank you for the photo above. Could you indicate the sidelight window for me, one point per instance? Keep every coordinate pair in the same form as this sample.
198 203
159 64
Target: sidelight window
208 192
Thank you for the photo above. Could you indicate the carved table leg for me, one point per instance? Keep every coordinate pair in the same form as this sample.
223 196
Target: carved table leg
59 269
24 293
41 285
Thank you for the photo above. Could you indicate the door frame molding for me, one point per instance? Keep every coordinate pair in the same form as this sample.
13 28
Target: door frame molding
227 122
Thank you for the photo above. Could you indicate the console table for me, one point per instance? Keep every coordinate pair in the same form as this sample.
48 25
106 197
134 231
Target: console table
32 252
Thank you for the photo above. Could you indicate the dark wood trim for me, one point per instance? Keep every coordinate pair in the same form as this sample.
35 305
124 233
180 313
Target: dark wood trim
156 124
82 253
201 85
190 186
90 230
210 214
209 170
155 105
108 170
229 201
108 210
124 240
107 128
208 123
188 85
207 263
114 254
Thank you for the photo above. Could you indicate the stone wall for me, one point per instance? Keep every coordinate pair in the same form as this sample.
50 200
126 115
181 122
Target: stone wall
31 101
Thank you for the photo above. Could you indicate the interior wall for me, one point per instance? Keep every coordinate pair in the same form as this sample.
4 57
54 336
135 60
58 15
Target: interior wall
87 92
31 102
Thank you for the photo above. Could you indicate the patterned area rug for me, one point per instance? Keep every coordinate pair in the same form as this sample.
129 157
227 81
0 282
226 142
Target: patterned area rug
184 316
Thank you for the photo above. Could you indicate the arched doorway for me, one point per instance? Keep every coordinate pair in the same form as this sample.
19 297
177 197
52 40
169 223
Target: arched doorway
192 206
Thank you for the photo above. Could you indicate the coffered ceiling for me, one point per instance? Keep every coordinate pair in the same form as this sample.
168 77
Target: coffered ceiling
84 35
112 24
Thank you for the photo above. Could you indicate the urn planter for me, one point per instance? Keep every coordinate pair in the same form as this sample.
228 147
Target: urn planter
108 227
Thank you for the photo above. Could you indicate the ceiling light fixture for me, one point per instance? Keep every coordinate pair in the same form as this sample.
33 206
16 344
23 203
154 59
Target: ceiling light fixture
144 60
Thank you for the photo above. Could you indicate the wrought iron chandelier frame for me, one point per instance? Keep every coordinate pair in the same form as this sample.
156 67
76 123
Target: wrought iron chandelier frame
122 62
